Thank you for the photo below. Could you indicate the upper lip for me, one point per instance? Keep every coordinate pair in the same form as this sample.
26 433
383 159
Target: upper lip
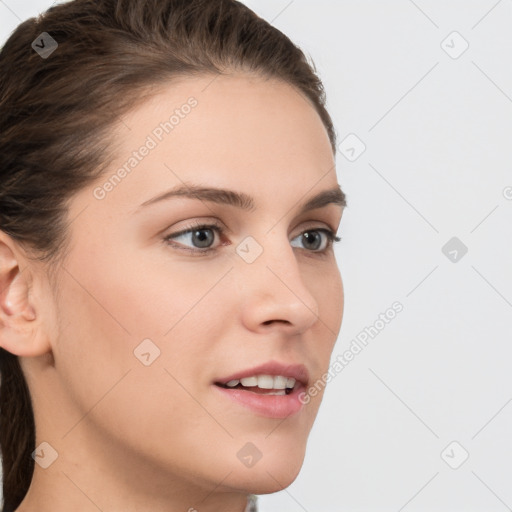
297 371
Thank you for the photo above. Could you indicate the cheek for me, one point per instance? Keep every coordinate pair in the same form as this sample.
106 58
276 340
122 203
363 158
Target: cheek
181 312
327 289
338 300
326 286
172 302
114 307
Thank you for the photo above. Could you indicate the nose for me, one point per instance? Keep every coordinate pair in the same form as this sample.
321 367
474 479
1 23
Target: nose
272 291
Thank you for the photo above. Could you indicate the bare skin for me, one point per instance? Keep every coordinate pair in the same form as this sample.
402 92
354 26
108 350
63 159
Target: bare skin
160 438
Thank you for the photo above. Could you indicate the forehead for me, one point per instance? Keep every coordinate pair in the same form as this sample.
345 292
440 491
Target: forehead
234 115
256 135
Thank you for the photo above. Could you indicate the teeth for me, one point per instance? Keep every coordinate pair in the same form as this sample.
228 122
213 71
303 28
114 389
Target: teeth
251 381
278 392
290 383
264 382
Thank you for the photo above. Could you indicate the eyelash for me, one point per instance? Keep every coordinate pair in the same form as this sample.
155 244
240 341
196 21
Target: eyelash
331 238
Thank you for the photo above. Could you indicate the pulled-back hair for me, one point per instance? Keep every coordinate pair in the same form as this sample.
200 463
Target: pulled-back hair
57 111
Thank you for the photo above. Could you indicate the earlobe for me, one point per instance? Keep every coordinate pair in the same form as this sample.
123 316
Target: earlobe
20 329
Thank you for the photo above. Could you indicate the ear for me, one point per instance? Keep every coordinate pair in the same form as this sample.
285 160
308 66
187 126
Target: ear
21 328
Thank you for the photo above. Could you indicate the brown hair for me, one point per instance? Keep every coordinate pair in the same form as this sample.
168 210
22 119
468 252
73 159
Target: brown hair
57 110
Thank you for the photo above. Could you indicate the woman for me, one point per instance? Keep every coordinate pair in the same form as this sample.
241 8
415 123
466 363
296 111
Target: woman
169 293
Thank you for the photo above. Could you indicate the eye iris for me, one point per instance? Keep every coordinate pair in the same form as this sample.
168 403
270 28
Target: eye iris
203 241
312 237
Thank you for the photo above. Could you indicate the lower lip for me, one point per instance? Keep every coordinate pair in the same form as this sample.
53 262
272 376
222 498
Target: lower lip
271 406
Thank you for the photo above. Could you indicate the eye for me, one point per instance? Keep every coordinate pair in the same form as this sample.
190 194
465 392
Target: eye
199 239
317 240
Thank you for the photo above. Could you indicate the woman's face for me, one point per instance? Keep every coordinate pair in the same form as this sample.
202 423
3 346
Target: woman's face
147 321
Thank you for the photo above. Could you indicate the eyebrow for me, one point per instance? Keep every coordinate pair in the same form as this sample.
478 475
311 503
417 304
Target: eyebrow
241 200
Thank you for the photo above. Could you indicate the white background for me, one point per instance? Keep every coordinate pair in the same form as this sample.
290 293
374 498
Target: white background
438 132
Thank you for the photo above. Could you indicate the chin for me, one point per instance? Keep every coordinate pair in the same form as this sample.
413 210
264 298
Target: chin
271 482
272 473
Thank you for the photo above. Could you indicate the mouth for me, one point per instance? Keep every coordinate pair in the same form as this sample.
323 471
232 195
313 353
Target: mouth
268 403
270 376
261 391
272 390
